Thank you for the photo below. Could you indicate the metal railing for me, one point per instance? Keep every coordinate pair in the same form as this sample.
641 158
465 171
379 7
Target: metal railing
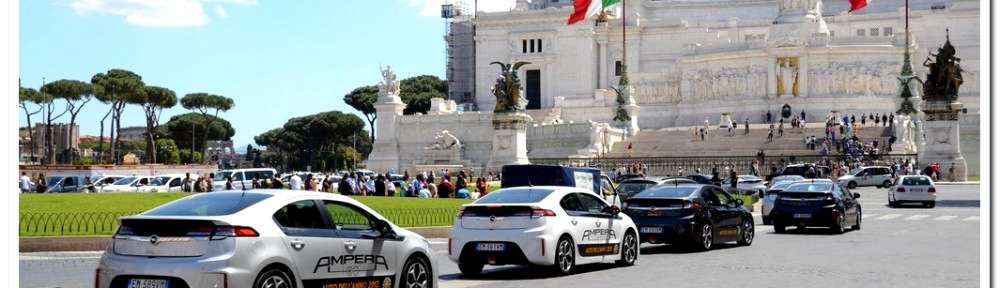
106 223
665 166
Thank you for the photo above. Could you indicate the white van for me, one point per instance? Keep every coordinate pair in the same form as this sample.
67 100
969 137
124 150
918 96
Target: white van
242 178
878 176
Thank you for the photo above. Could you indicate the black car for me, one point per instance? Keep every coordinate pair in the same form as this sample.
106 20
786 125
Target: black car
803 170
701 179
696 214
816 203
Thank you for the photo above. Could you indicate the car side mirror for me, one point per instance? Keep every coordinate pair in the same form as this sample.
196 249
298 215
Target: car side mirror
739 202
384 228
857 195
613 210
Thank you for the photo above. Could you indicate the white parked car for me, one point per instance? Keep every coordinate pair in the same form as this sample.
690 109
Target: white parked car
242 178
128 184
166 183
748 184
100 182
555 226
878 176
264 238
913 189
778 184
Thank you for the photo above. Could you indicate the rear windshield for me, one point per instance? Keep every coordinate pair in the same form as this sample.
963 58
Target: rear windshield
515 195
208 204
630 188
125 181
917 181
810 187
667 191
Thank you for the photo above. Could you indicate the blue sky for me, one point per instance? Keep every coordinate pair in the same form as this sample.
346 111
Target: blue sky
276 58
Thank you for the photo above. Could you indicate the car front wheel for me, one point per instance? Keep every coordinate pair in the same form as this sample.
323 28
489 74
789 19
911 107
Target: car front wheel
747 237
630 249
417 274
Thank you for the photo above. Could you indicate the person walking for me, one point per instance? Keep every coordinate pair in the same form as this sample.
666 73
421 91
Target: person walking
733 179
380 186
229 182
295 182
781 127
715 177
803 115
25 182
769 116
344 187
390 188
746 126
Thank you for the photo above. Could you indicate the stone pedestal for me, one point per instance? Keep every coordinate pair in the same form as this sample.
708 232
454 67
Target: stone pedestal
385 150
941 131
510 139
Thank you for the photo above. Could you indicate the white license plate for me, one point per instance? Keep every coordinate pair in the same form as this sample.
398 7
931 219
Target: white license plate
917 190
802 215
491 247
148 283
651 229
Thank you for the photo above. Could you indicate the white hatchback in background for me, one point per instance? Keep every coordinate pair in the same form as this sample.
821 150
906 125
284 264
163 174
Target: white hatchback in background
913 189
878 176
128 184
552 226
778 184
166 183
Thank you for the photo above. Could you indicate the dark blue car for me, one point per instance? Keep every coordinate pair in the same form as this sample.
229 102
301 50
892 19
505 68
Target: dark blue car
695 214
815 203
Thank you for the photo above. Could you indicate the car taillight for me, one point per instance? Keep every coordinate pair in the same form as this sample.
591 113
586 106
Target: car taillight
223 232
539 212
692 205
124 230
931 190
900 189
449 246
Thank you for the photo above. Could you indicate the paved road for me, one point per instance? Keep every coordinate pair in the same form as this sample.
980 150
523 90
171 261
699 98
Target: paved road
906 247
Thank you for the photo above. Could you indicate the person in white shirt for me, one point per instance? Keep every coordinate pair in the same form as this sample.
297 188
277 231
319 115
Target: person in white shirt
25 183
295 182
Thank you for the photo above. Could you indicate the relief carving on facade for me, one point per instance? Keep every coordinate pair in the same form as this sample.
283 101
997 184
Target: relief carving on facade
727 83
853 78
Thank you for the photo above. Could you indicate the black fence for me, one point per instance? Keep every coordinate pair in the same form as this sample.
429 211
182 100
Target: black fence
669 166
106 223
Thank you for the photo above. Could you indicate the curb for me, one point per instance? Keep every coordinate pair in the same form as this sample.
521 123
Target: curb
957 183
100 243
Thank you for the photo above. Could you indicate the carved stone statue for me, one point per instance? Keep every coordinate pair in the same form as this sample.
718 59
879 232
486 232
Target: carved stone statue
508 88
445 141
788 74
945 74
389 85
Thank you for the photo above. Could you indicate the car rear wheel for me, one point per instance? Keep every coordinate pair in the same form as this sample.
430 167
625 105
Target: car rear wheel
747 237
417 274
706 238
838 226
779 228
930 204
565 256
886 184
273 278
891 203
470 269
630 249
857 225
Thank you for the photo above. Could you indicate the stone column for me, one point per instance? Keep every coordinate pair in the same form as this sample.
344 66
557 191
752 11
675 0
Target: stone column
940 128
385 150
510 139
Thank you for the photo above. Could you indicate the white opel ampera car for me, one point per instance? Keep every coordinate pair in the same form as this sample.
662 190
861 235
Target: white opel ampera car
264 239
552 226
913 189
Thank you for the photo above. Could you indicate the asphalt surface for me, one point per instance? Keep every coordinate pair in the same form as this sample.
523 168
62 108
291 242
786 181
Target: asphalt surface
896 247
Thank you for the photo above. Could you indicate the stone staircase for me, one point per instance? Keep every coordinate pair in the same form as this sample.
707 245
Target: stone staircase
682 142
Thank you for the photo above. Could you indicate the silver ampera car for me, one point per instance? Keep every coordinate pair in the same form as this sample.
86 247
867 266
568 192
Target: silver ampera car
264 238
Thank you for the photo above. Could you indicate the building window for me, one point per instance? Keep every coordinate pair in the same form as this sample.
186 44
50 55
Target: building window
887 31
539 45
861 32
524 46
874 32
618 68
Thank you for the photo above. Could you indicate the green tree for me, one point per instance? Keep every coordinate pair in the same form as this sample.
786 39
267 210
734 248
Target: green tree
156 99
182 129
205 103
363 99
168 152
26 96
76 94
185 154
311 140
417 92
116 88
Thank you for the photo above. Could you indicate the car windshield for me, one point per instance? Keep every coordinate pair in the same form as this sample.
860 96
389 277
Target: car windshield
630 188
221 176
667 191
794 170
788 178
810 187
782 185
208 204
159 181
856 171
916 181
52 181
515 195
124 181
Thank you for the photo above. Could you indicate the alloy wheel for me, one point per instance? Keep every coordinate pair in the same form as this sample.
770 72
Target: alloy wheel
416 275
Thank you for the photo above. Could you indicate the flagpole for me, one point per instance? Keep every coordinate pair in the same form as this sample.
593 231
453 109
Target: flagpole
624 50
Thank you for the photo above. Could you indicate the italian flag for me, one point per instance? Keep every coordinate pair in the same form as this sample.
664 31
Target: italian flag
586 8
858 4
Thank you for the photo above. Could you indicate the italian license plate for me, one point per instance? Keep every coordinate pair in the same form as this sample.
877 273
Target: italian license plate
491 247
148 283
651 229
918 190
802 215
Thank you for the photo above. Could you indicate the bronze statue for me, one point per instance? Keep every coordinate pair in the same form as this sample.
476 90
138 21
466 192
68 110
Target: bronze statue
945 74
508 88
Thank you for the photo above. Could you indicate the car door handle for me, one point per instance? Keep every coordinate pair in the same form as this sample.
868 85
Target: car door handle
350 246
298 244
